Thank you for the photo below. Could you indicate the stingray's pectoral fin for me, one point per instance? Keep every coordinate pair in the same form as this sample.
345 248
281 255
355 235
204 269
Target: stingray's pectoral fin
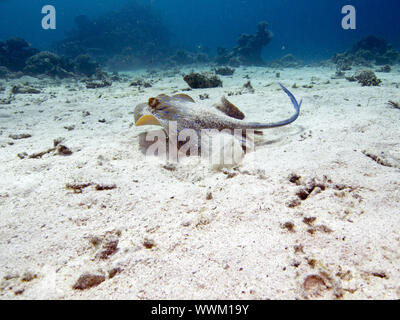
229 109
147 120
184 97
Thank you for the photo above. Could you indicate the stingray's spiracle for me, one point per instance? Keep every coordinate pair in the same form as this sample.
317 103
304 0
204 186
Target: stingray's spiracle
154 102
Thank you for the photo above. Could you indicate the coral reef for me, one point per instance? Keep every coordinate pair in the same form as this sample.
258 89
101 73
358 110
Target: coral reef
47 63
53 65
368 51
18 58
134 34
287 61
375 49
366 78
249 49
14 52
202 80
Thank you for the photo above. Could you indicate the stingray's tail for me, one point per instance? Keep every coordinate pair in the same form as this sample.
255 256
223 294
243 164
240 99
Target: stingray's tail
293 118
293 99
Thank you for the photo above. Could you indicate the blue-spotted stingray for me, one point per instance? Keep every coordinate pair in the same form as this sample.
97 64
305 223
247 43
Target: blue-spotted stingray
188 114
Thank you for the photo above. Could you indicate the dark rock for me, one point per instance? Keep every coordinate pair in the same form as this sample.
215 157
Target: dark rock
63 150
149 243
17 89
113 272
314 285
88 281
109 248
204 96
102 187
289 226
140 83
202 80
366 78
224 71
28 276
77 188
386 68
96 84
20 136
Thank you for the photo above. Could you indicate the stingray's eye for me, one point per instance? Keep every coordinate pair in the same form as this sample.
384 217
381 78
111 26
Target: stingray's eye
154 102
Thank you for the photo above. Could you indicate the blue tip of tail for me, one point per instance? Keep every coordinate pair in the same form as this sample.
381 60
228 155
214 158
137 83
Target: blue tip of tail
292 98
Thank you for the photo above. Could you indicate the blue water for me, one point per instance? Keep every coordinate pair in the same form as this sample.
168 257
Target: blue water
309 29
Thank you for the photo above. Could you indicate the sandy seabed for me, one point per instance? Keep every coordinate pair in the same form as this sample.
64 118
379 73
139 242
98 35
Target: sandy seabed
313 213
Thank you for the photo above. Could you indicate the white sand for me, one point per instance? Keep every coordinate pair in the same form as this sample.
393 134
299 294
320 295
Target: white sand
234 245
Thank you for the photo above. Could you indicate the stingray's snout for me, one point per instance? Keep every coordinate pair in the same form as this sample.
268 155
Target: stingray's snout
147 120
143 117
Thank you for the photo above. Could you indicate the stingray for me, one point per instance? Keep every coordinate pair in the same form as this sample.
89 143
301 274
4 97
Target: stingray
182 109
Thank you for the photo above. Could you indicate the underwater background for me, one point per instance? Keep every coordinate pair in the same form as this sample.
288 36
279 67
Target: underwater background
309 29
